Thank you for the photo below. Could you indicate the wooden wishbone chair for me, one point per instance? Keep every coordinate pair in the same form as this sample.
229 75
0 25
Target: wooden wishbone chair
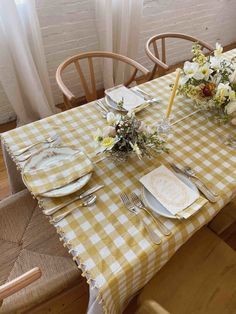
68 96
19 283
160 64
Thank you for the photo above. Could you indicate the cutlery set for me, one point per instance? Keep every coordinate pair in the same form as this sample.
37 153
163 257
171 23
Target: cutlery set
25 153
135 205
80 196
147 97
104 109
188 172
89 201
139 203
48 140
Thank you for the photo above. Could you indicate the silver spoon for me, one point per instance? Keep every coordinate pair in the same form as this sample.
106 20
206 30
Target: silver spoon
89 202
192 173
25 149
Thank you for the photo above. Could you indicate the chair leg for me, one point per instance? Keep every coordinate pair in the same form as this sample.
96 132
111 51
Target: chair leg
67 103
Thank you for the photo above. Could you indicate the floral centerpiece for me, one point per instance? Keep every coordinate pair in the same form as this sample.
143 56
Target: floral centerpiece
211 82
125 134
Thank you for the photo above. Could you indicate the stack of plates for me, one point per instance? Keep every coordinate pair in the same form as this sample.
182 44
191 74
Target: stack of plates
132 100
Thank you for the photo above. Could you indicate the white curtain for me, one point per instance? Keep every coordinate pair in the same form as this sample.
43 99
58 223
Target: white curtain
118 24
23 71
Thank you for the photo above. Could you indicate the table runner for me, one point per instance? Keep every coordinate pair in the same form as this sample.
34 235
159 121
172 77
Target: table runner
113 250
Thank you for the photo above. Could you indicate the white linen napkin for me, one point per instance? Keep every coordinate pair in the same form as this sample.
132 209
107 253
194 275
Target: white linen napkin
131 100
171 192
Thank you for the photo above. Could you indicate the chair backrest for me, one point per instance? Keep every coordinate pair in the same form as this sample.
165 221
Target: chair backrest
160 63
19 283
92 94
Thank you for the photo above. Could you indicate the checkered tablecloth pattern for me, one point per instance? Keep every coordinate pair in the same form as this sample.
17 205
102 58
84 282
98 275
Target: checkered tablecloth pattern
112 248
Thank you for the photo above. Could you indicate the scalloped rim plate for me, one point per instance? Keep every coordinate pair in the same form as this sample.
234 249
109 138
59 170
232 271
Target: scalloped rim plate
44 158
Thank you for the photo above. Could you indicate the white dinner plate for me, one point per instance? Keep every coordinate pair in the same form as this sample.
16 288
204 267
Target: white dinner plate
113 104
151 202
51 155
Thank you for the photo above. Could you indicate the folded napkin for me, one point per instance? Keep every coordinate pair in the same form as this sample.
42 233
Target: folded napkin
192 209
132 101
57 174
172 193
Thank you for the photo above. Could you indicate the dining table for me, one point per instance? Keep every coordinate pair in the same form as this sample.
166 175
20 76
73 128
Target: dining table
111 248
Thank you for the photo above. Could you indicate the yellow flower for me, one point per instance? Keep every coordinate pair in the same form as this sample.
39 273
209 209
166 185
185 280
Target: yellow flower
108 142
200 59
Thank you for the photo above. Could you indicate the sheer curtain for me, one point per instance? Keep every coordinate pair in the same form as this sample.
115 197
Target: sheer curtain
118 24
23 71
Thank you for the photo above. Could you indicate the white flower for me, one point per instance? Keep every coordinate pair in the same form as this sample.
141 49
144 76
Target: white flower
111 118
218 51
190 68
136 149
231 107
223 90
215 63
97 135
183 80
232 77
109 131
232 95
204 72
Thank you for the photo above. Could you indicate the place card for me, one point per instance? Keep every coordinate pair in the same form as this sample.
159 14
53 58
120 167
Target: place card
170 191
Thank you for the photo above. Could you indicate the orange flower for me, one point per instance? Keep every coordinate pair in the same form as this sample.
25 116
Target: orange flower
208 89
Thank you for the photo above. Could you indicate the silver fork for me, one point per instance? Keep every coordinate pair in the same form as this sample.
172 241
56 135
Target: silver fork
102 111
26 156
48 140
125 199
101 104
139 203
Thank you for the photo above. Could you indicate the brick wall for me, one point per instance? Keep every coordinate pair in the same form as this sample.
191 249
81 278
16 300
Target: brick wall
68 27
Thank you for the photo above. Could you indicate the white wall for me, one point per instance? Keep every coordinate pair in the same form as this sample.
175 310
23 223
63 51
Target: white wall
68 27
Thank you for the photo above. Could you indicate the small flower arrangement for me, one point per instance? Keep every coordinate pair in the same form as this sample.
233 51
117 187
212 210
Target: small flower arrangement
211 82
125 134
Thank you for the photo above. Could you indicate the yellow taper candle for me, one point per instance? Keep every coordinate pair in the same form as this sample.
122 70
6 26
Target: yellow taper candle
172 97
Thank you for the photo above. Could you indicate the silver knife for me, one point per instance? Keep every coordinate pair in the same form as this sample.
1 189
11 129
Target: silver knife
79 197
201 187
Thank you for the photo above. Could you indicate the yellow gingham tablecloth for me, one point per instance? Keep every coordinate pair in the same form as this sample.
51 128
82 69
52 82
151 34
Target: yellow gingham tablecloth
113 249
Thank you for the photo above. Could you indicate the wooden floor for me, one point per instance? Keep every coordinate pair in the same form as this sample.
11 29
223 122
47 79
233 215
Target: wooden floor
79 300
4 188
